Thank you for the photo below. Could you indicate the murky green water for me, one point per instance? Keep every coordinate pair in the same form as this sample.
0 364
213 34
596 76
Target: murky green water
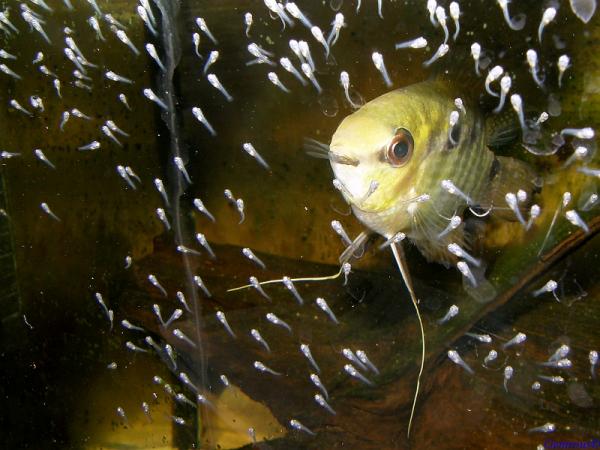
66 369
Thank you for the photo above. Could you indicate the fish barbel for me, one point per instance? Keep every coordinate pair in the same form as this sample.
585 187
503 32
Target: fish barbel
404 143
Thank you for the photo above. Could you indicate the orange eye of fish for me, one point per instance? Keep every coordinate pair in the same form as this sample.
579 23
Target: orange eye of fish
400 148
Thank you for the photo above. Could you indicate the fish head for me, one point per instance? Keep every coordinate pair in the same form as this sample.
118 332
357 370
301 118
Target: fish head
382 155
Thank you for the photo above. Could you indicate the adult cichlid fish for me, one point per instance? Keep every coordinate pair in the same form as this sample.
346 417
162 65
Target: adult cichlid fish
409 162
395 155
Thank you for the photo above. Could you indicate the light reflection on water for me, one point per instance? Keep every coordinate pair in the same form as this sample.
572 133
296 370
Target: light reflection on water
62 360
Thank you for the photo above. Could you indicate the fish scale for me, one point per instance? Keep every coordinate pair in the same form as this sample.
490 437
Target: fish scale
468 169
465 169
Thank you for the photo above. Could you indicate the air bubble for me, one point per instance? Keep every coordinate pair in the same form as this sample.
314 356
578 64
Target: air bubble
583 9
336 5
329 105
356 98
554 108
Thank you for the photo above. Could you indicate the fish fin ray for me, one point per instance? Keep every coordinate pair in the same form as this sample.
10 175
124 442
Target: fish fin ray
398 253
502 129
358 244
432 247
510 175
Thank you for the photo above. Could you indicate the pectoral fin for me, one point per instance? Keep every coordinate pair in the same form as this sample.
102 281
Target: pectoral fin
510 175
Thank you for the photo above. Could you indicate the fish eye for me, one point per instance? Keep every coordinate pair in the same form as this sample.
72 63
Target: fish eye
400 148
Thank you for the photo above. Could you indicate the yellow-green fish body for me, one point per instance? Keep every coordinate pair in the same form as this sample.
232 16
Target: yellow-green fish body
390 194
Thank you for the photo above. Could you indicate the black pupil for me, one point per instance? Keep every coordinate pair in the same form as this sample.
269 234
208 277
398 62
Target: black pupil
401 149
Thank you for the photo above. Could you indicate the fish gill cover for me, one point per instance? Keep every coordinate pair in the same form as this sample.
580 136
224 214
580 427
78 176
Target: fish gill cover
179 272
